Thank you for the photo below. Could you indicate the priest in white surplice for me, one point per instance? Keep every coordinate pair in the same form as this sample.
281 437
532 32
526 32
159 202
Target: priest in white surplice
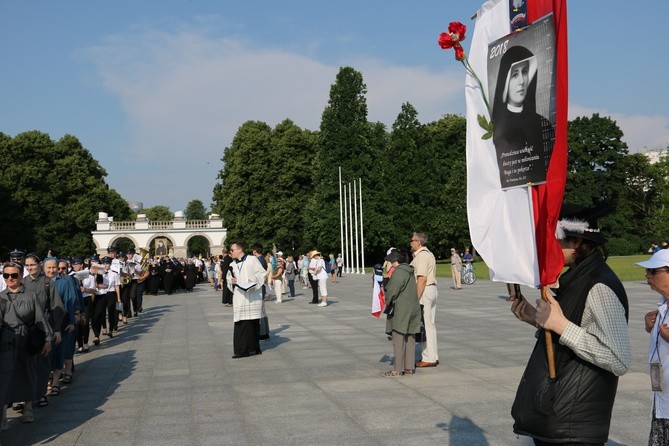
245 279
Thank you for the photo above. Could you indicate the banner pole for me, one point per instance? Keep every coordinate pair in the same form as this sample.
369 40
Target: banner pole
550 354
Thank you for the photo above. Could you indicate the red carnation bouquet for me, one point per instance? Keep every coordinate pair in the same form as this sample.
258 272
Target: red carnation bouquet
451 39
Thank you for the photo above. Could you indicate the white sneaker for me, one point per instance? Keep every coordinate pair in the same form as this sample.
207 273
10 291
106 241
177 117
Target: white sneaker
323 304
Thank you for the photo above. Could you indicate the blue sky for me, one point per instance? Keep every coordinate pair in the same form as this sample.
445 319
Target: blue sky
157 89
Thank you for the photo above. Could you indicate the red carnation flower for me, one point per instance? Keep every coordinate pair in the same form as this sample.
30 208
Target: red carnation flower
459 52
457 31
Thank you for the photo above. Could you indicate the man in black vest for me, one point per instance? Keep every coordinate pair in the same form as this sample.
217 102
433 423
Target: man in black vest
588 322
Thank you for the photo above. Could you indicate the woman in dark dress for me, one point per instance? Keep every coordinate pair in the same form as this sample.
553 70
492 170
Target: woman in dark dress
154 278
190 276
20 309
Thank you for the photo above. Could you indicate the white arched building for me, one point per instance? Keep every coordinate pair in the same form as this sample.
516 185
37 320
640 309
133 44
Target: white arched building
142 232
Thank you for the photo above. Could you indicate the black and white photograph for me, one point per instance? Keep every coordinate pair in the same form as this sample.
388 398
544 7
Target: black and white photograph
521 81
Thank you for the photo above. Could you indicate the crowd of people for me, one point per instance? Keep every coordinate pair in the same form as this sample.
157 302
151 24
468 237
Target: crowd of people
247 281
50 309
585 318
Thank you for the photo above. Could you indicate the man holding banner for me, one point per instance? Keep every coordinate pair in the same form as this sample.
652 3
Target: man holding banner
516 174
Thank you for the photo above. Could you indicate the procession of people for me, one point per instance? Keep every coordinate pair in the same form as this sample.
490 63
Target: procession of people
52 309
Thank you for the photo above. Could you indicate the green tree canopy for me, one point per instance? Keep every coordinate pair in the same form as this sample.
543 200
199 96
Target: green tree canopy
54 192
158 213
195 210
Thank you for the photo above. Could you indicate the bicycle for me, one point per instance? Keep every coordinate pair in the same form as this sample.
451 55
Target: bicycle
468 274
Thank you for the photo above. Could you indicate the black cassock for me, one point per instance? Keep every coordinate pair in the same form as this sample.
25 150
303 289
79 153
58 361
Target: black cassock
190 276
225 267
154 279
167 270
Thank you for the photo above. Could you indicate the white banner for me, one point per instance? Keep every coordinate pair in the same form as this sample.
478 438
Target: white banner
500 221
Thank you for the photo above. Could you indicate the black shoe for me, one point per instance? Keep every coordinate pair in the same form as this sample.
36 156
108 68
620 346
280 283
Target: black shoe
239 356
313 302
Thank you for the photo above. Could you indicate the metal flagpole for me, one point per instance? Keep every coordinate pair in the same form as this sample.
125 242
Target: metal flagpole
345 253
341 215
357 247
362 240
350 214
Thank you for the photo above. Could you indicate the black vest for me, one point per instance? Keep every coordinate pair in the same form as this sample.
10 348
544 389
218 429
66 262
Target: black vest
577 406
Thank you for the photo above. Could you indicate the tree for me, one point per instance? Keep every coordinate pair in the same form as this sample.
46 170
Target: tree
158 213
55 190
243 193
596 170
195 210
398 217
343 141
291 169
445 196
198 246
266 181
647 195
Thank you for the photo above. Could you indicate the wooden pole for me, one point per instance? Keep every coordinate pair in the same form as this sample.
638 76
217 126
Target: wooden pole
549 340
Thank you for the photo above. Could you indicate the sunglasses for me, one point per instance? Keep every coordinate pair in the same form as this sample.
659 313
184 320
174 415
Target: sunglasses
12 275
62 269
653 271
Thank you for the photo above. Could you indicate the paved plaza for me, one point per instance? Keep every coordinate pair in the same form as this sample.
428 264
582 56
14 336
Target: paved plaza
167 378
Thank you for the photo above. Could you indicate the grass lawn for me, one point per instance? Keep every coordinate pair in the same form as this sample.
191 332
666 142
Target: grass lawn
624 267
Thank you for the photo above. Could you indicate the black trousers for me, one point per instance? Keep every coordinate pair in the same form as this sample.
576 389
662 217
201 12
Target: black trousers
246 337
314 288
138 297
227 294
128 295
84 330
111 311
99 310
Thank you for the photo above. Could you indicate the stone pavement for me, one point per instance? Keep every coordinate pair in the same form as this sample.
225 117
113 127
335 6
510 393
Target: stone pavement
168 379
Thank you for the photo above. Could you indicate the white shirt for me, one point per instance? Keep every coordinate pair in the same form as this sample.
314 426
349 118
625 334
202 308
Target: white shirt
89 283
660 398
114 281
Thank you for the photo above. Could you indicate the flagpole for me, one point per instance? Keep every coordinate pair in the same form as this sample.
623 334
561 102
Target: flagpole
345 253
550 356
350 213
357 247
341 215
362 240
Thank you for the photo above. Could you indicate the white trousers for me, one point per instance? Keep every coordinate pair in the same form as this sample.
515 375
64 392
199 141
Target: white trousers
429 350
278 288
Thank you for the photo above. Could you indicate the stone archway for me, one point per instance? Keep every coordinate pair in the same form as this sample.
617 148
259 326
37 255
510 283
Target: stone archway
142 232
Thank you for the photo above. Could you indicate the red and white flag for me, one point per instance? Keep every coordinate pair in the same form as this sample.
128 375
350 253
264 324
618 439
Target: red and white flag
514 229
378 298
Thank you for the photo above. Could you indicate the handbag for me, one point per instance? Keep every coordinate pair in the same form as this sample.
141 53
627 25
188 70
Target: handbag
390 309
35 340
119 306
